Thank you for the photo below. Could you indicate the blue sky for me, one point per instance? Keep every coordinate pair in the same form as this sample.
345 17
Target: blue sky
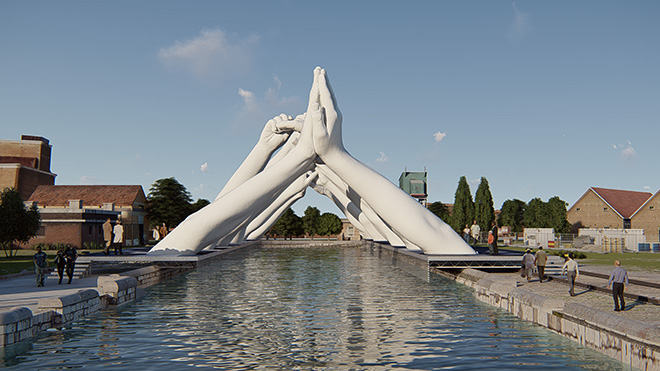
543 98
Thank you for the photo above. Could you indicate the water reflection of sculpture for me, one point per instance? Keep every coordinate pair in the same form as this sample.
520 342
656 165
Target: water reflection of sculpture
311 153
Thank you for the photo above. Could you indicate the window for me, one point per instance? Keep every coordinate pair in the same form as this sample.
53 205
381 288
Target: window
604 209
578 209
651 208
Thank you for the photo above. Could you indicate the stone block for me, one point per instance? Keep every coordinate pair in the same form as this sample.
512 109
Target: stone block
114 285
59 303
15 315
471 275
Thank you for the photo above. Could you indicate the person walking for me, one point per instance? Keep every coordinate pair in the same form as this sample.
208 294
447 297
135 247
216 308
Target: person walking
528 264
40 265
475 231
155 234
163 230
107 236
618 280
466 234
118 241
60 262
495 237
572 273
71 255
540 259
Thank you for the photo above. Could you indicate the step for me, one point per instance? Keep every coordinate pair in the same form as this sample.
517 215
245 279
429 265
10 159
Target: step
80 270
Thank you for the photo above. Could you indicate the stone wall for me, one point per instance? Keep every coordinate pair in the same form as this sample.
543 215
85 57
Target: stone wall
20 323
632 342
151 275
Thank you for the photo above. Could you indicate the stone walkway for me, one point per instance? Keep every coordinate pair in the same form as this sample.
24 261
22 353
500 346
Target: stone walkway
644 312
23 291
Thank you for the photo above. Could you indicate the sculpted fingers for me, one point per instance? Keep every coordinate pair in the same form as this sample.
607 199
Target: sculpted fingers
328 101
314 92
286 124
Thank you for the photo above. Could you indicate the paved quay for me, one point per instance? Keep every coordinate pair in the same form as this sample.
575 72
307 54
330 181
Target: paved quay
23 291
635 310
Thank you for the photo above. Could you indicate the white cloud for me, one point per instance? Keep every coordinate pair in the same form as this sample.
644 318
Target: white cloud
205 167
521 26
628 153
257 110
438 136
383 157
212 54
647 188
627 150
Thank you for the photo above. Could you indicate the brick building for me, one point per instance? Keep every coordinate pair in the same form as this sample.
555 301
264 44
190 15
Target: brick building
25 164
75 213
618 209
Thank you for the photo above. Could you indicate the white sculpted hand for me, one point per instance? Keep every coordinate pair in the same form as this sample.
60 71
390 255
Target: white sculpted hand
278 129
327 131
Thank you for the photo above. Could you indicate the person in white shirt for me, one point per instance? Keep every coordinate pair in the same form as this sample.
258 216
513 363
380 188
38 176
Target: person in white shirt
572 273
118 231
475 231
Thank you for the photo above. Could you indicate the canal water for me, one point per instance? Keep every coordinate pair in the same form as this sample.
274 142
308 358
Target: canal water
305 309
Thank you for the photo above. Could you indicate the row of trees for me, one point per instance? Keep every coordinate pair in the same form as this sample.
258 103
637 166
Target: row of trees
535 214
465 209
18 224
514 213
311 223
170 202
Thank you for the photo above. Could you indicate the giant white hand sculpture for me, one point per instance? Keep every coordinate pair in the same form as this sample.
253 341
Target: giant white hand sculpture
266 184
405 216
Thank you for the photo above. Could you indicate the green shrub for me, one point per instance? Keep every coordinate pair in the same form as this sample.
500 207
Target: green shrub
576 254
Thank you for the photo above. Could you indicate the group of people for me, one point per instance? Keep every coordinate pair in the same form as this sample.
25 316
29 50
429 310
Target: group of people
159 232
64 260
472 236
529 262
113 236
618 279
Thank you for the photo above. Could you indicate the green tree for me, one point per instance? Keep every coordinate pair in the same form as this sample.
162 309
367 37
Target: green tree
441 211
169 202
556 210
512 214
199 204
535 215
17 223
484 212
288 225
310 221
463 211
329 223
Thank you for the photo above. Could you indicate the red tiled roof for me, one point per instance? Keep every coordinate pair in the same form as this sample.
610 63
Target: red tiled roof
624 202
92 195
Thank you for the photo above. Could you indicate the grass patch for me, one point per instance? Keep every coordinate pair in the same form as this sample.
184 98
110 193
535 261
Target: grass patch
642 261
